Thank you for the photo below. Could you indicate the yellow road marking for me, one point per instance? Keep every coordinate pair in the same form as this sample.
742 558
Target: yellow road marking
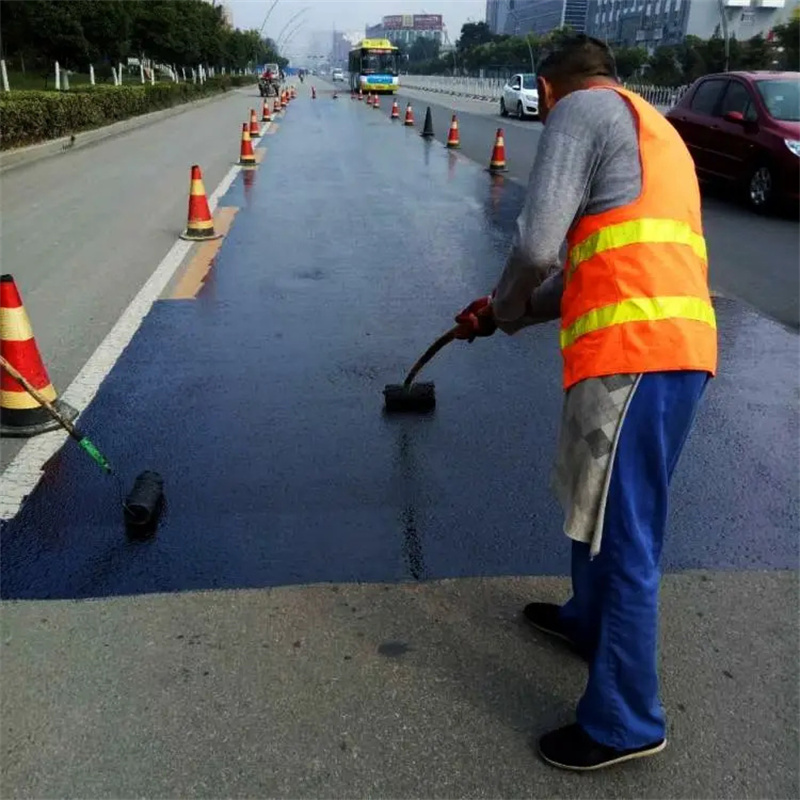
196 270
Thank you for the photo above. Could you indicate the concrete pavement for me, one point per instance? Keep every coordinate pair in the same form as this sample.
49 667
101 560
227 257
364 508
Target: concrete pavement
331 605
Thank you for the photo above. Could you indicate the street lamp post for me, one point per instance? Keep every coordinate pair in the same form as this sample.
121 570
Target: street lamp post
724 21
513 11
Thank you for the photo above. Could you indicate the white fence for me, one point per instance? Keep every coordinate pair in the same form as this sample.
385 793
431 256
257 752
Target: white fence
492 88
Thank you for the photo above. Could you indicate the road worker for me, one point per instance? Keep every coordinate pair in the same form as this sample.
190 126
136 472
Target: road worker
613 181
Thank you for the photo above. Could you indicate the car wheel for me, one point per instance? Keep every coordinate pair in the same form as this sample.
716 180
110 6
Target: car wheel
503 109
520 112
760 188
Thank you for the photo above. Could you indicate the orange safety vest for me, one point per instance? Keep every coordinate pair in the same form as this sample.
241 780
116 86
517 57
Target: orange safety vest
636 293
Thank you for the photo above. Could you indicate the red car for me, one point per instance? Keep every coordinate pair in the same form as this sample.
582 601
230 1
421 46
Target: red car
744 128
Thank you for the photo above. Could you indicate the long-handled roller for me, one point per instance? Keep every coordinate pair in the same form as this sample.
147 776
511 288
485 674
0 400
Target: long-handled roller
143 504
416 397
68 426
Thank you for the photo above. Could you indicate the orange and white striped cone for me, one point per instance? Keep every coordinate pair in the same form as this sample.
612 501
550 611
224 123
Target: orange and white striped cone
395 110
360 95
409 120
498 161
255 128
200 225
265 115
276 106
376 103
247 156
453 139
284 101
20 414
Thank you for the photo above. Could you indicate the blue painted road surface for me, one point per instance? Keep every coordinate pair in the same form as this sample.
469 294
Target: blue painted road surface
260 401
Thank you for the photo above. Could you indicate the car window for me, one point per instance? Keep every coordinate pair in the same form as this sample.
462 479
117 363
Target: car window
529 81
738 98
782 98
515 82
706 96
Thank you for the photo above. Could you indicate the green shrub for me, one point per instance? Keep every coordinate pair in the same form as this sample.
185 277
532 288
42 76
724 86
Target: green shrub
28 117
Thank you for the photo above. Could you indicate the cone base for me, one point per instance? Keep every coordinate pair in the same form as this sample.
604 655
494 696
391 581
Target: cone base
497 169
453 145
33 421
200 236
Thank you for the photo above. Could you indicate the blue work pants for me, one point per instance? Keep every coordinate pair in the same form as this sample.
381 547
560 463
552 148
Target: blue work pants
614 608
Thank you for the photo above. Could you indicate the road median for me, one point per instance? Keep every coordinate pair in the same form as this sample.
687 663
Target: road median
38 125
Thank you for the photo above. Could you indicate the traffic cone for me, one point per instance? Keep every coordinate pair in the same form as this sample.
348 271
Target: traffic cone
201 225
452 137
313 93
265 115
247 156
498 162
360 95
376 103
255 128
409 120
395 110
276 106
20 413
427 130
284 101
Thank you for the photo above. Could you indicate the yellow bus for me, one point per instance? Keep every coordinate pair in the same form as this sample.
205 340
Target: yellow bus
373 66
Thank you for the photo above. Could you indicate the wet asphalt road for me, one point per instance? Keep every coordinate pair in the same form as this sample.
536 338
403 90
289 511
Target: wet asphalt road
260 403
753 258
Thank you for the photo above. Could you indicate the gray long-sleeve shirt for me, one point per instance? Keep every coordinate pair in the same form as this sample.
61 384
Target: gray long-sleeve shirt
587 162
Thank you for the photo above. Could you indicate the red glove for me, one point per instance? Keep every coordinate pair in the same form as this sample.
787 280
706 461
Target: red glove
477 319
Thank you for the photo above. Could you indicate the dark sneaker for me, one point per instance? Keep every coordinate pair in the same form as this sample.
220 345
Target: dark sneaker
573 748
546 617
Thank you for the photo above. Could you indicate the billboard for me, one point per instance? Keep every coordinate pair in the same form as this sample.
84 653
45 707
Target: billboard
427 22
413 22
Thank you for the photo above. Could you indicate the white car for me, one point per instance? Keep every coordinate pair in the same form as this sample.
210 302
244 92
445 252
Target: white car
337 75
520 96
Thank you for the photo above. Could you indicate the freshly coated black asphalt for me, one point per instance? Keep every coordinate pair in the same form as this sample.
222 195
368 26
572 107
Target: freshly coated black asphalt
260 402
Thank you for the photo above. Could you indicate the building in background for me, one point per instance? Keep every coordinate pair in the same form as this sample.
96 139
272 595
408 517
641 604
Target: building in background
517 17
405 29
652 23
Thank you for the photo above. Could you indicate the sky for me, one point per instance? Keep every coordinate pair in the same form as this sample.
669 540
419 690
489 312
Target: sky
344 15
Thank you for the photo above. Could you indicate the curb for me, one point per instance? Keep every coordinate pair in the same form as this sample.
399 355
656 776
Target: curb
23 156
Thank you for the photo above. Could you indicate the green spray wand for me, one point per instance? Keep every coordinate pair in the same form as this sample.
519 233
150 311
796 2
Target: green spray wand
83 441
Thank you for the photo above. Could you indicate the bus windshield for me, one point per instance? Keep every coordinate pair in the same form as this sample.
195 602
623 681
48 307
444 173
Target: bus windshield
378 63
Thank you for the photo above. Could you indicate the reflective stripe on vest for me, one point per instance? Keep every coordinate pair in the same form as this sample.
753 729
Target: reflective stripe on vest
637 231
639 309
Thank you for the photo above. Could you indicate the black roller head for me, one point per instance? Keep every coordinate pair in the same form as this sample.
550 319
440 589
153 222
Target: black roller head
417 399
143 505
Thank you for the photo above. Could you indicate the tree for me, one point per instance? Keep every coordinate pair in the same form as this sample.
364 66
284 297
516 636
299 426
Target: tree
629 61
787 36
473 34
423 49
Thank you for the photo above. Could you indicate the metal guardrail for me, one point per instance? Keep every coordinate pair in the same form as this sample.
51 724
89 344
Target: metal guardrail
491 89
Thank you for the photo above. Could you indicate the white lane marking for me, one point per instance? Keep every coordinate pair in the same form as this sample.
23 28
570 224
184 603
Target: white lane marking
23 474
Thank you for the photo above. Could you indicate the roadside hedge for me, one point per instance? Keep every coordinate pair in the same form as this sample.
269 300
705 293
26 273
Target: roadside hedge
30 117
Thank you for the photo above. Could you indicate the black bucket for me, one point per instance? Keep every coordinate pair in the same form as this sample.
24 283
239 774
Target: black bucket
143 505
